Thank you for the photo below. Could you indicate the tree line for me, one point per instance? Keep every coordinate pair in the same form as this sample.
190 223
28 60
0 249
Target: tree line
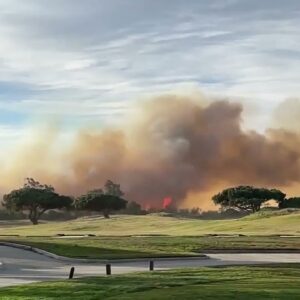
251 199
36 198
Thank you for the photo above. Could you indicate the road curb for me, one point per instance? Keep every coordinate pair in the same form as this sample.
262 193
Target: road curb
104 261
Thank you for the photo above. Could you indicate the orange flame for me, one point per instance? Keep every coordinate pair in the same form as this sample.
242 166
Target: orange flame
167 201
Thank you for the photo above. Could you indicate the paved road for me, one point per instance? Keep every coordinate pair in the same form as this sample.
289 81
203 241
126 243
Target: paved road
22 266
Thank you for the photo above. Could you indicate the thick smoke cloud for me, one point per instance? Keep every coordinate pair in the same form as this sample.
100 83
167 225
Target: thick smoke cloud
173 146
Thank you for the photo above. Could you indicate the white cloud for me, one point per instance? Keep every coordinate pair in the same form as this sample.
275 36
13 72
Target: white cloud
93 58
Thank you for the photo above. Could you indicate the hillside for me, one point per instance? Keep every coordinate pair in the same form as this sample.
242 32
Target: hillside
284 222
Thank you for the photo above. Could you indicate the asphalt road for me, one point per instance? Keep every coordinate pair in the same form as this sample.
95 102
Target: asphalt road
22 266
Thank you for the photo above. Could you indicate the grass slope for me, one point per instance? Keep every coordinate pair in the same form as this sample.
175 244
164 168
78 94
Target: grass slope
134 247
126 236
272 223
189 284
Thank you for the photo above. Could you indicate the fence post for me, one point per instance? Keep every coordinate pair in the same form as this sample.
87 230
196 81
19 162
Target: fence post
71 274
108 269
151 265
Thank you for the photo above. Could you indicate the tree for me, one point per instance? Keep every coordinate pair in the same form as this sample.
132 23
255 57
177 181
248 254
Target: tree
112 189
103 201
35 198
246 198
290 203
278 196
134 208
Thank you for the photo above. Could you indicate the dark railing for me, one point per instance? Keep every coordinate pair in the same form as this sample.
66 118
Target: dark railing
108 269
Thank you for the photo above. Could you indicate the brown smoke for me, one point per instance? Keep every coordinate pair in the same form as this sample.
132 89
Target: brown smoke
174 146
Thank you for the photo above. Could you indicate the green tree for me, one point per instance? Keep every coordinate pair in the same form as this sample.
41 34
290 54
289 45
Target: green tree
35 198
113 189
246 198
278 196
134 208
290 203
104 201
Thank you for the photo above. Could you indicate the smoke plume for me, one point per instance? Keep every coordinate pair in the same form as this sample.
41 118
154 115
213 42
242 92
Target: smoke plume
184 148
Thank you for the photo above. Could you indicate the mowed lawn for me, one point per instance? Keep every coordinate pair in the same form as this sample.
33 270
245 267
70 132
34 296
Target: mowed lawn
280 222
153 246
188 284
156 235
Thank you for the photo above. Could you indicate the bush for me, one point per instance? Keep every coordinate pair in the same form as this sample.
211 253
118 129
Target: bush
11 215
133 208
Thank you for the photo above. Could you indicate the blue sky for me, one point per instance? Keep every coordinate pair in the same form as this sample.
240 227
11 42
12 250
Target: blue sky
88 61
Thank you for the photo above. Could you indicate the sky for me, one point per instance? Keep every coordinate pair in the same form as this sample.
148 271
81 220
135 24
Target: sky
86 62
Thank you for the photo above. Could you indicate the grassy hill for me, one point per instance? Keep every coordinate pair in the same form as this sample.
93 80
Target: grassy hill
263 223
157 235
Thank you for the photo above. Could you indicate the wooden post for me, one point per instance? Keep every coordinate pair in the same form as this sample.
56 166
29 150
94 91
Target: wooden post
151 265
71 273
108 269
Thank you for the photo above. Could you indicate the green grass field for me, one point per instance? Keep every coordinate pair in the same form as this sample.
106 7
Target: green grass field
188 284
279 222
156 236
141 247
159 236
